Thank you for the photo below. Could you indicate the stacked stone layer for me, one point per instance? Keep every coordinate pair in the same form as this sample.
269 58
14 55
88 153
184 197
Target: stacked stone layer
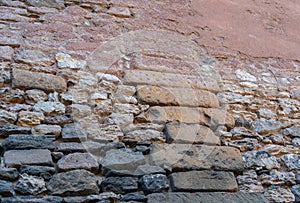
91 111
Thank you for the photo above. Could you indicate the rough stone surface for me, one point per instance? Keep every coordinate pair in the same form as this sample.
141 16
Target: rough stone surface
209 181
260 160
10 174
292 161
144 135
296 191
45 172
154 95
73 183
78 161
29 119
213 197
154 183
264 126
27 142
6 188
139 77
31 199
7 117
48 82
187 134
66 61
121 159
278 194
8 129
73 132
195 157
30 185
49 108
47 130
15 158
34 96
119 185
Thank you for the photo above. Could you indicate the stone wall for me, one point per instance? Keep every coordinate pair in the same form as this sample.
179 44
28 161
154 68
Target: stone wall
99 104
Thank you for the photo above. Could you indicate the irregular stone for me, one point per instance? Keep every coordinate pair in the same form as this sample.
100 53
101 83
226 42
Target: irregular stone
154 183
111 145
9 95
195 157
264 126
47 3
296 142
19 107
119 185
105 197
45 172
124 94
296 191
122 12
267 113
57 120
73 132
50 108
15 158
119 119
70 147
277 150
33 57
106 133
32 199
79 111
121 159
148 169
7 117
29 118
8 129
206 117
27 142
154 95
277 178
104 108
143 126
6 188
6 53
244 75
75 95
30 185
56 156
293 131
126 108
279 194
72 183
211 197
135 196
107 77
46 130
10 174
34 96
292 161
190 133
66 61
245 144
44 81
133 137
248 182
260 160
78 161
141 148
142 77
208 181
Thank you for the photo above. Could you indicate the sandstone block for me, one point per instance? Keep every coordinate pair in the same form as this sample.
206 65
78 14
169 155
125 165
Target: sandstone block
15 158
197 181
154 95
140 77
195 157
35 80
29 118
190 133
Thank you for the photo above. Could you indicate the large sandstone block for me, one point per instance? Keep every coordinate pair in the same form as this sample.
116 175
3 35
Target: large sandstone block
35 80
141 77
211 197
154 95
209 117
196 157
16 158
197 181
190 133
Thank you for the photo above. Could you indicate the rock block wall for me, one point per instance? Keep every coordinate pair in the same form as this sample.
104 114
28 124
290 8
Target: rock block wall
99 104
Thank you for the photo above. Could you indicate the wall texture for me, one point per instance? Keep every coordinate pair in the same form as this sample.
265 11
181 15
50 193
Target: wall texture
130 101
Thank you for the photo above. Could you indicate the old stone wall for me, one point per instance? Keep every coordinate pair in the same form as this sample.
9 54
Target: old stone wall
105 101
